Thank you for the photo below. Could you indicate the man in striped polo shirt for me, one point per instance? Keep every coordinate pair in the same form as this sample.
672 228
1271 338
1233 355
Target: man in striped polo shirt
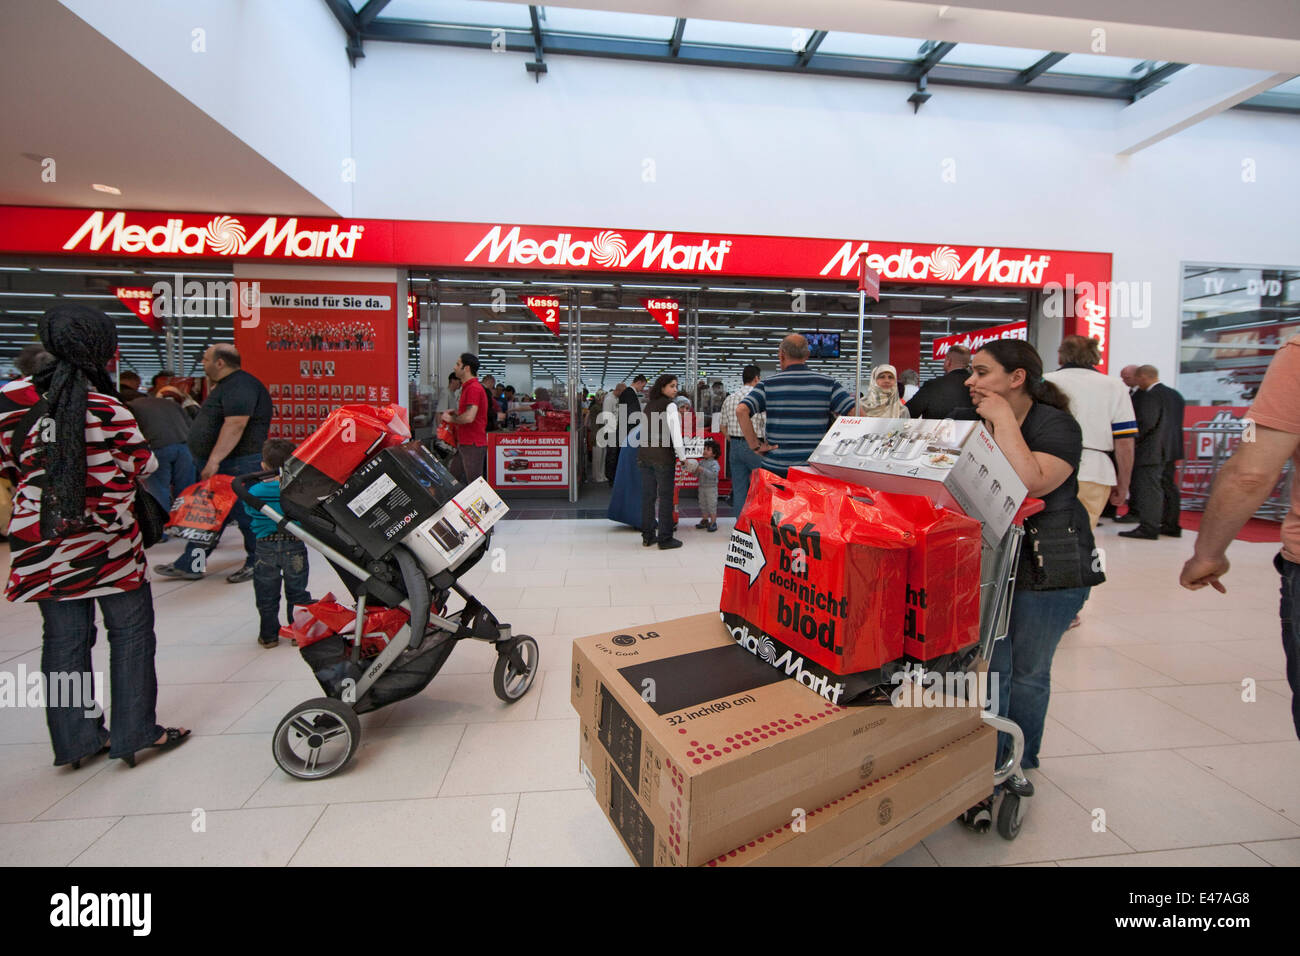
800 406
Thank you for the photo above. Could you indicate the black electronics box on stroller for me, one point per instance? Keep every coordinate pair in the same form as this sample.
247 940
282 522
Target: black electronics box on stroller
400 531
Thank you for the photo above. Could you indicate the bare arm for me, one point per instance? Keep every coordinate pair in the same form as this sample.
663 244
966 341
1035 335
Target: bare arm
1244 484
1123 468
1042 473
758 445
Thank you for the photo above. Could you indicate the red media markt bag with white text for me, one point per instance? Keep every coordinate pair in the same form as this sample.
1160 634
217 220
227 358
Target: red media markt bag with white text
816 568
199 512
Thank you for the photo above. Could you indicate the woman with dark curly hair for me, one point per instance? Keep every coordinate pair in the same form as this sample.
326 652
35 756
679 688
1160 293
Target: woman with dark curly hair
76 453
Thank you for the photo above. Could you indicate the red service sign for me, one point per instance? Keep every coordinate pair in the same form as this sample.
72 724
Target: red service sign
868 280
140 302
976 340
318 345
667 312
528 460
546 308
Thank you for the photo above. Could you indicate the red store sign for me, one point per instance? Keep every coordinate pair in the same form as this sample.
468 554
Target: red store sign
977 340
460 245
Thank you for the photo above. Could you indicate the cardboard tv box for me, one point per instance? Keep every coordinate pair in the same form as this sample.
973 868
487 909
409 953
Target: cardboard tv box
694 745
880 819
954 463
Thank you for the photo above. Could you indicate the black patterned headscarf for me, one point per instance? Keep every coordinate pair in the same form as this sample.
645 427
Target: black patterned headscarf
83 341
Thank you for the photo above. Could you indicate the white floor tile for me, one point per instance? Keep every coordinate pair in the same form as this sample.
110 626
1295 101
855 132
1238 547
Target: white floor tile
916 856
540 755
596 596
406 763
553 691
1261 658
263 837
579 622
564 828
1269 772
1059 741
461 699
1277 852
209 708
1101 668
30 784
1119 720
1267 717
448 831
1230 854
55 843
1157 800
1189 663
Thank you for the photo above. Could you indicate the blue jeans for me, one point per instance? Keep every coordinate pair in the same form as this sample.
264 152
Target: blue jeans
243 465
175 473
741 463
279 559
1023 662
657 487
77 726
1290 633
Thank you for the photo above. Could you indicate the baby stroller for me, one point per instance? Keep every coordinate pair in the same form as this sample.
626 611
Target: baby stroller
405 586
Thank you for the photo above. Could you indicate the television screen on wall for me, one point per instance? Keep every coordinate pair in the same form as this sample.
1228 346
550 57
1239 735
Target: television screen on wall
823 345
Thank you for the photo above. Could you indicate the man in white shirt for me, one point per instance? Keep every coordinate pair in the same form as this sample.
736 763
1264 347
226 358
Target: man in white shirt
1104 411
741 459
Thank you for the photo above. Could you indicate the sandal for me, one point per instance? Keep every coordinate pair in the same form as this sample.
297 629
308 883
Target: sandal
174 735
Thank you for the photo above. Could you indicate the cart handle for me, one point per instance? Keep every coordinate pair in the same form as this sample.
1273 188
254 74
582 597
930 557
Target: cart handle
1031 506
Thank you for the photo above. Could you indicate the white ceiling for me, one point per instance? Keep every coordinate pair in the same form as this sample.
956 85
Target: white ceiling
69 94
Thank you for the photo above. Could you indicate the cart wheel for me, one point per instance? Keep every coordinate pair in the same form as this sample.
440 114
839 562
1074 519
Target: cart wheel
1011 815
516 668
978 817
316 739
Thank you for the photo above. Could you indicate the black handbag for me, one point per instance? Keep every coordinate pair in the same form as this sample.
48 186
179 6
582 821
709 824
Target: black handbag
1057 552
148 510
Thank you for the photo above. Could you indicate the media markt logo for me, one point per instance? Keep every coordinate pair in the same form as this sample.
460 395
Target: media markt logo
222 235
764 648
606 248
943 263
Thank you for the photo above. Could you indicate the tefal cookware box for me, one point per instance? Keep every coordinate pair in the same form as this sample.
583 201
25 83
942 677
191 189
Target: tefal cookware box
694 746
954 463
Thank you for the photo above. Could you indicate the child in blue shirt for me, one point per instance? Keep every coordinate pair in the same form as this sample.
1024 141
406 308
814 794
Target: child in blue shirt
279 556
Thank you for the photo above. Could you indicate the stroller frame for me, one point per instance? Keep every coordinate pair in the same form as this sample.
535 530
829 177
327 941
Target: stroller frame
302 736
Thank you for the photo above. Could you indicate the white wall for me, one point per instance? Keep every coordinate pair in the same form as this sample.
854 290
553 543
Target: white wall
443 133
273 72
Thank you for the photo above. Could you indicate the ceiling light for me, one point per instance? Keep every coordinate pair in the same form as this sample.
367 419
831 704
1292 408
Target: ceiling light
111 190
95 272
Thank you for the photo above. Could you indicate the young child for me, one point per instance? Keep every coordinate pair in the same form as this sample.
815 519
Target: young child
279 555
708 475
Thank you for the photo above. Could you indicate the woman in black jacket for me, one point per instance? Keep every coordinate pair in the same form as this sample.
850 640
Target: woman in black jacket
1031 422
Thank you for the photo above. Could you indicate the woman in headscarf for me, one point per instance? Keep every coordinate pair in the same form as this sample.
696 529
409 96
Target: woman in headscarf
881 400
75 453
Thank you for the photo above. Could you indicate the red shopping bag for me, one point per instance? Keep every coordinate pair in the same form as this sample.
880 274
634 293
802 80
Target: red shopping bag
315 622
351 434
447 434
200 510
818 568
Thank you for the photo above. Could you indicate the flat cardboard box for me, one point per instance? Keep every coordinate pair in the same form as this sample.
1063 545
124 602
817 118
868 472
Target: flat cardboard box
693 744
879 820
954 463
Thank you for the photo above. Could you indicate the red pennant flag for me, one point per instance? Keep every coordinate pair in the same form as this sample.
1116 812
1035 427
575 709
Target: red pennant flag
868 280
546 308
667 312
140 302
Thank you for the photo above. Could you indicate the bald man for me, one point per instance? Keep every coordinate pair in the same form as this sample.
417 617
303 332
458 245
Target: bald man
1146 494
800 406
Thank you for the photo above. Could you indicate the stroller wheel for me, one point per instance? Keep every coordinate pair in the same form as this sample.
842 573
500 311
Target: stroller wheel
1011 815
317 738
516 668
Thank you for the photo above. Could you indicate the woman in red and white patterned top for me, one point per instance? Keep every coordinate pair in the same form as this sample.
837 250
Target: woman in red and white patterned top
75 453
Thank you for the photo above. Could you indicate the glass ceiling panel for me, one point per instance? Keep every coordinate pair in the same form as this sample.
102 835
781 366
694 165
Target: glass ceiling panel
641 26
1114 67
1004 57
861 44
477 12
716 32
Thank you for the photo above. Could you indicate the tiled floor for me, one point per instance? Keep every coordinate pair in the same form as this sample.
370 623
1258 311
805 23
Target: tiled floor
1169 739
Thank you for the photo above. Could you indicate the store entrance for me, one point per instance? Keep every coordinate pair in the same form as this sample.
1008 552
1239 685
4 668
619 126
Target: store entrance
604 336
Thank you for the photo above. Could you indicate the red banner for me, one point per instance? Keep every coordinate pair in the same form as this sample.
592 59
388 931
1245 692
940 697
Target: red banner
667 312
976 340
868 280
412 313
546 308
140 302
318 345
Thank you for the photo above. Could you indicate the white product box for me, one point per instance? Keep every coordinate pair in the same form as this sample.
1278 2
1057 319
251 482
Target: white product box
954 463
443 541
